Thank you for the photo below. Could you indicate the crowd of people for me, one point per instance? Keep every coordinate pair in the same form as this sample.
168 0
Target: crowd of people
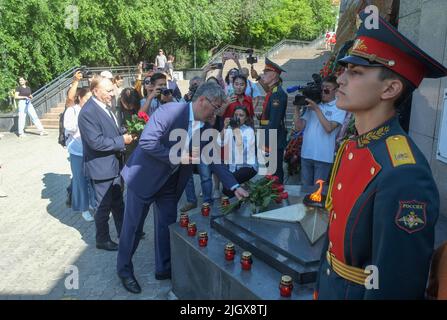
105 160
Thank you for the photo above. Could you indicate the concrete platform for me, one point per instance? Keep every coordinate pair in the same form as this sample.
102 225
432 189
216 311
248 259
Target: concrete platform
203 273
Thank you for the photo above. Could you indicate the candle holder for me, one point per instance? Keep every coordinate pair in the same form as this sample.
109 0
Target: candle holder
225 202
286 286
246 260
229 252
184 220
206 209
203 239
192 229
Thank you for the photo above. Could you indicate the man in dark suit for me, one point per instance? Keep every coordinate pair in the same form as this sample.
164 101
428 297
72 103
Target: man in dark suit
152 177
103 145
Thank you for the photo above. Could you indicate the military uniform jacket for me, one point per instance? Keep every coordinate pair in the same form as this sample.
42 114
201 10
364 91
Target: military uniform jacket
383 205
273 116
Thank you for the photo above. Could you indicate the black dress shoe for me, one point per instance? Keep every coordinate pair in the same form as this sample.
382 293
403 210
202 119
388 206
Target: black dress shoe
163 275
131 284
108 245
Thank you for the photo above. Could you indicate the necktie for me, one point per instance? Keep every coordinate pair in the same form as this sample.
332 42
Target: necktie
109 109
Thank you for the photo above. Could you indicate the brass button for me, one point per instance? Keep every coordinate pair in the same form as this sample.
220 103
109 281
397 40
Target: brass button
373 170
328 272
350 156
339 186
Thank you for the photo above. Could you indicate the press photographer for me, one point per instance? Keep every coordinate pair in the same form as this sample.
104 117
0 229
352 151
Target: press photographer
321 124
156 94
194 83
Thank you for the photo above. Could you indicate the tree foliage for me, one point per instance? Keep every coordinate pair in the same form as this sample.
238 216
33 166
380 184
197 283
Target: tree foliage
35 41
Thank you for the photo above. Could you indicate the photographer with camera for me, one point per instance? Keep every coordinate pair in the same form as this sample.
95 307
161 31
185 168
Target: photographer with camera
156 93
238 139
320 123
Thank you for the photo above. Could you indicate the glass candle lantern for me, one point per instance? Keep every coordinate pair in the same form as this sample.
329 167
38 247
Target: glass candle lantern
203 239
246 260
229 252
206 209
192 229
184 220
286 286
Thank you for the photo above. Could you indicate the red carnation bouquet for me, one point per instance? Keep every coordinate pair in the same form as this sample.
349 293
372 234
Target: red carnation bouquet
262 193
136 124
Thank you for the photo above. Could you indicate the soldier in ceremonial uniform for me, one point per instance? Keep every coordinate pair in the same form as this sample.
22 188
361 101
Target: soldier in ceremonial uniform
382 200
273 110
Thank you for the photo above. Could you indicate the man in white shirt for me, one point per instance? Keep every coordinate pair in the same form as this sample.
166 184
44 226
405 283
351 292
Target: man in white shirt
321 123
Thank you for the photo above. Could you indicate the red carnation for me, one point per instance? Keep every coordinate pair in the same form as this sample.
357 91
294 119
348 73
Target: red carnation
269 177
279 188
278 200
284 195
143 115
275 179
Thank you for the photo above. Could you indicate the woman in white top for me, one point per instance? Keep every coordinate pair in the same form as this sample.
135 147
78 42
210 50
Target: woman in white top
79 184
238 139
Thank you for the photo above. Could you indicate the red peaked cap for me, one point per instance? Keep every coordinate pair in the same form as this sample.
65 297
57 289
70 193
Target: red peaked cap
270 65
387 47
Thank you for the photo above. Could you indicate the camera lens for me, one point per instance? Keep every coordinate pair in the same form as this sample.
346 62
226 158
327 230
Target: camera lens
147 82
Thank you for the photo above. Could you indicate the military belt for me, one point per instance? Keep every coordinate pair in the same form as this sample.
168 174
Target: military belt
347 272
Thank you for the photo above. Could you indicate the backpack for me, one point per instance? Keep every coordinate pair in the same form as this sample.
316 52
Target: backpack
61 139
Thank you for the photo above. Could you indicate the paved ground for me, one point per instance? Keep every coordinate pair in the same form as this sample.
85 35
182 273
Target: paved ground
40 237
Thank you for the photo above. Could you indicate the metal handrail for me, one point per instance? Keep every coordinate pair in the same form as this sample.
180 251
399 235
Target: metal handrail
59 85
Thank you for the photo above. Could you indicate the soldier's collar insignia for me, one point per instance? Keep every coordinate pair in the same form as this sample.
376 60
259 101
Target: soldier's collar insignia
411 216
373 135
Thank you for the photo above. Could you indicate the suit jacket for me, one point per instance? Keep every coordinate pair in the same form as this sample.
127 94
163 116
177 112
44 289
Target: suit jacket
102 142
149 167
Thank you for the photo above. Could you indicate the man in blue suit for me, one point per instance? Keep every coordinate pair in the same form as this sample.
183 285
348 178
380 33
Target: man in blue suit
103 144
152 177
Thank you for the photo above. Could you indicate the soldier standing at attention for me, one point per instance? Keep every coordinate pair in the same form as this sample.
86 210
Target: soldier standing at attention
382 200
273 110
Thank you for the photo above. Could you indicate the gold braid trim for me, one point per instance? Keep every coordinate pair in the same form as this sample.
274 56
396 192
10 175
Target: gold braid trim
374 58
337 161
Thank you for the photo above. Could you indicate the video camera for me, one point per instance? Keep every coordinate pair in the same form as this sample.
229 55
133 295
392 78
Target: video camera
217 65
312 91
147 66
250 59
166 91
85 72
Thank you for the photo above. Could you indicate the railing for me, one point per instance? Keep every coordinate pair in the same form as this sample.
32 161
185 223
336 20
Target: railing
56 91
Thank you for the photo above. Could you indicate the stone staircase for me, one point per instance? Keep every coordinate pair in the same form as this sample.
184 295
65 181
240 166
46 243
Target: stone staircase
50 120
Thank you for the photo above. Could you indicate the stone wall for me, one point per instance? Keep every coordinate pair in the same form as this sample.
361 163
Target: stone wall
424 22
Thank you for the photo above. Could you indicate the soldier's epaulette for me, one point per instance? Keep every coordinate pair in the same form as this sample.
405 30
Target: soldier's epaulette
399 150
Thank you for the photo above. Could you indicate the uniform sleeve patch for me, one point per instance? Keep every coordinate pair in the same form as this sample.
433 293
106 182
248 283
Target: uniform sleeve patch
399 150
411 216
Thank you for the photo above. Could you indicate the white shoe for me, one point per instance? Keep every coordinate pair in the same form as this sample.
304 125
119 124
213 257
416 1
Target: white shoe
87 216
216 194
43 133
22 135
